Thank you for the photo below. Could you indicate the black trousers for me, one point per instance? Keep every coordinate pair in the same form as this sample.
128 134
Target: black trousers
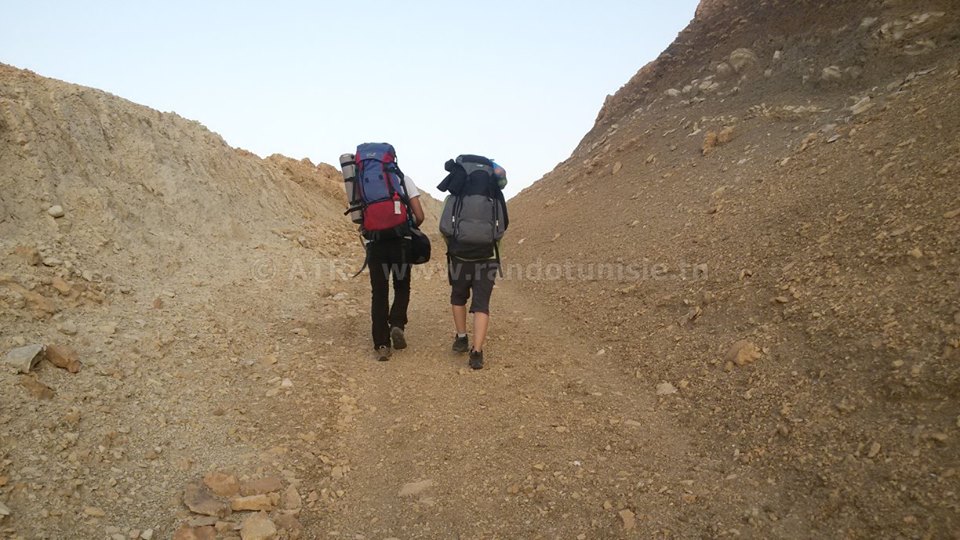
388 258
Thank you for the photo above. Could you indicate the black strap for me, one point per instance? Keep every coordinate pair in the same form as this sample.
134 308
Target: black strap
366 257
496 253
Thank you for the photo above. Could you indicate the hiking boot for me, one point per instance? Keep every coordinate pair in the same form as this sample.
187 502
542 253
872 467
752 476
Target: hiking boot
461 345
476 359
398 339
383 353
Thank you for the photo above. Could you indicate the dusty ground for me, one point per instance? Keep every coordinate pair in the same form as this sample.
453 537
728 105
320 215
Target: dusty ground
780 360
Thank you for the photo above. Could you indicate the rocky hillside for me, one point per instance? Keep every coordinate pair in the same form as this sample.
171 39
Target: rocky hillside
764 225
134 247
126 177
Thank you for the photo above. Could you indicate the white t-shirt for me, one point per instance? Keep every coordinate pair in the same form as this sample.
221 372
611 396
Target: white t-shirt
412 191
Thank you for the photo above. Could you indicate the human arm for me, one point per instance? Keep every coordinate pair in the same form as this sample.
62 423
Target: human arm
417 209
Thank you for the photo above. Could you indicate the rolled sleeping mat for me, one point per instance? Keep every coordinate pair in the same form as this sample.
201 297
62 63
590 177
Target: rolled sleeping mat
348 166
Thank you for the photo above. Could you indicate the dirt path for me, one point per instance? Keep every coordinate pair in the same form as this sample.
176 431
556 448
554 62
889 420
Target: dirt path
551 440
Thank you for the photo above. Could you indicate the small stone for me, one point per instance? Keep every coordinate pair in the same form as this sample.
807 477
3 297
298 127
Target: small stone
258 527
287 522
4 511
109 329
413 489
93 511
23 359
29 254
742 353
68 328
709 142
725 135
831 74
952 214
782 299
291 499
260 486
186 532
222 484
201 500
147 534
63 357
254 503
916 253
617 167
724 70
861 106
665 389
628 518
269 360
742 59
874 450
61 286
56 211
672 92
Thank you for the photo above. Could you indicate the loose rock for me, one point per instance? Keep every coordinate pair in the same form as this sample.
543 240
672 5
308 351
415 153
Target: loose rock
56 211
36 388
63 357
254 503
743 352
200 500
832 74
61 286
665 389
261 486
258 527
413 489
68 328
186 532
23 359
742 59
222 484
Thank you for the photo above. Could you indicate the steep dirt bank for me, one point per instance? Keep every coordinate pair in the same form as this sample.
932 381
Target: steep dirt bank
792 167
144 243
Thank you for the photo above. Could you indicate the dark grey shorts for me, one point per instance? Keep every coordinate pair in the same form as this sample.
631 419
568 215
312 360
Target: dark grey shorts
472 277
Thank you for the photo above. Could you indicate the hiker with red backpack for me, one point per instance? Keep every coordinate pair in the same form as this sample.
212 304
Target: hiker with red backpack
473 221
386 206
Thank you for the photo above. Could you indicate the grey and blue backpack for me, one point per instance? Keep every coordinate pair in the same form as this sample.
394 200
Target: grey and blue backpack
474 216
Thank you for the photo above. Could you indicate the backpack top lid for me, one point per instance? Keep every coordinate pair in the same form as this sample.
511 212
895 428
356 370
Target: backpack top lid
384 152
470 173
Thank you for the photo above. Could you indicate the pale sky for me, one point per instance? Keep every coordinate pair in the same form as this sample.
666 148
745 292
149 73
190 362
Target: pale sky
519 81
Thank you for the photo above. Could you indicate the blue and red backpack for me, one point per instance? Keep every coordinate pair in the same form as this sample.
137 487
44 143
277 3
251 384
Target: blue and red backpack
381 192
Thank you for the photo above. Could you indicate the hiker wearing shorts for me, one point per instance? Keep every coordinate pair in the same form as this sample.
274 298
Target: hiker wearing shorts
473 221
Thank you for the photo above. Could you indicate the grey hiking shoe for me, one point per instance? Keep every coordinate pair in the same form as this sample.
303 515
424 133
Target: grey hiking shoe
461 345
383 353
476 359
398 339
